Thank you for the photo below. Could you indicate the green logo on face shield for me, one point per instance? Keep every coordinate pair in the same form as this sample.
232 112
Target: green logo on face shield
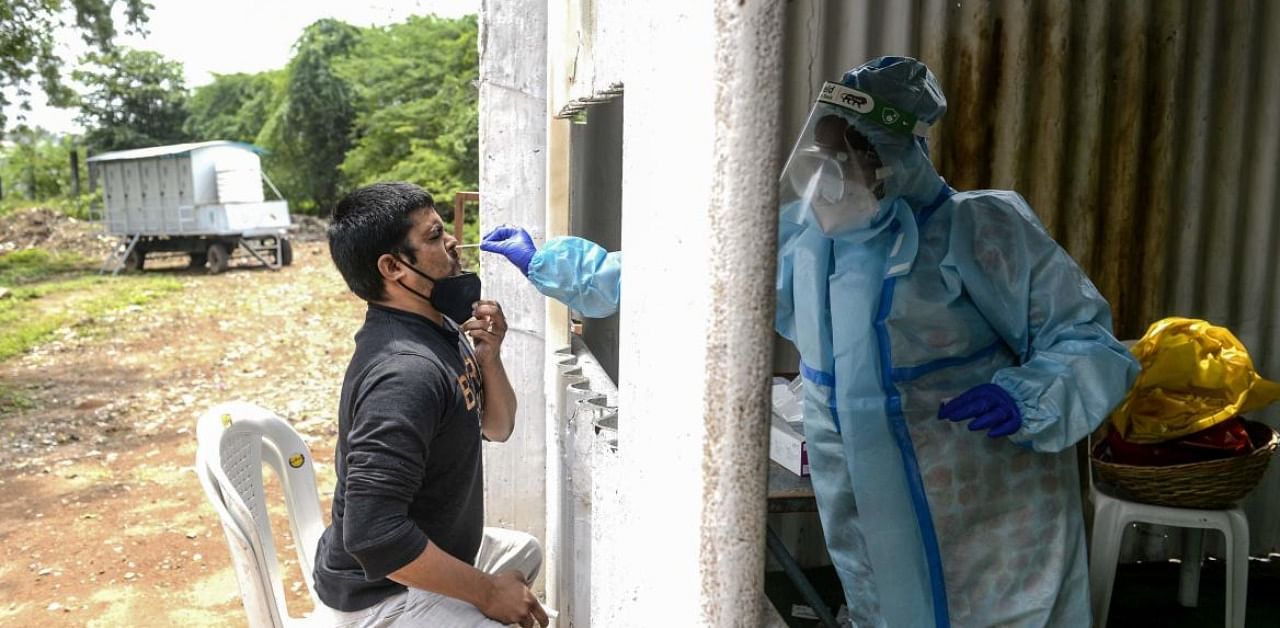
865 104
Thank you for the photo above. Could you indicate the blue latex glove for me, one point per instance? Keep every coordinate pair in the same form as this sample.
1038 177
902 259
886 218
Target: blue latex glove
990 407
512 242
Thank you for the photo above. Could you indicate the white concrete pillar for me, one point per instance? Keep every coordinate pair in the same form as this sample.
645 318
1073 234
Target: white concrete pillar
513 128
699 233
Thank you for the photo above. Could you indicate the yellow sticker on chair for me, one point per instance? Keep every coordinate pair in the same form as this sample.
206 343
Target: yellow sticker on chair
226 419
296 461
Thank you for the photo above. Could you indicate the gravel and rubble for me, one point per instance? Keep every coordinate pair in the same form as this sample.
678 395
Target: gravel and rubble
55 232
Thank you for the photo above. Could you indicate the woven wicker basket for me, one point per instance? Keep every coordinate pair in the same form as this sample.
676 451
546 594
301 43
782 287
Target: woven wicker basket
1208 485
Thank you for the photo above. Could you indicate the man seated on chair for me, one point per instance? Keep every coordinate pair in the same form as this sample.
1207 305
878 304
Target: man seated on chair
407 545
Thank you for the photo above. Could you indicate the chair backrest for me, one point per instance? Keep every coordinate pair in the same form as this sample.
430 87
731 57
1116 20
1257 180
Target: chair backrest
256 593
234 439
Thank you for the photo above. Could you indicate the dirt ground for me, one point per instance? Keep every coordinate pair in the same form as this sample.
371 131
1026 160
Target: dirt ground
102 521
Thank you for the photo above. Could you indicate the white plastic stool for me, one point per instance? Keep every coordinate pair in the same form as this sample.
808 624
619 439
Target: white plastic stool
1112 515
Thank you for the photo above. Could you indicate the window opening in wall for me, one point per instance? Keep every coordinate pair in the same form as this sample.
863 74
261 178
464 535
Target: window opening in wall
595 208
467 205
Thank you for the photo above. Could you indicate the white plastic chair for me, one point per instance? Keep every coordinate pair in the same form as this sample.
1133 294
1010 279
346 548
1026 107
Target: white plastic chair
233 440
1112 516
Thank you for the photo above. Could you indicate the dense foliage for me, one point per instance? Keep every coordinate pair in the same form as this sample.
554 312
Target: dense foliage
415 99
353 106
132 98
234 106
36 164
309 132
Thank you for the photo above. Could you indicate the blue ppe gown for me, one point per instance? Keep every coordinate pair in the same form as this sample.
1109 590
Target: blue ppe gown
580 274
928 523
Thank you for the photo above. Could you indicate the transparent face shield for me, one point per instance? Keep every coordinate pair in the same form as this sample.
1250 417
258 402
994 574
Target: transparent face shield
834 173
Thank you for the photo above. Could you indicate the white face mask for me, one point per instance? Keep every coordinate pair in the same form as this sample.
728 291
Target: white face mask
854 210
840 194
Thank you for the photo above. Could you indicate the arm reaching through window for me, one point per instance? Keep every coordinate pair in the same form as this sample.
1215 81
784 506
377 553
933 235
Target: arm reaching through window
573 271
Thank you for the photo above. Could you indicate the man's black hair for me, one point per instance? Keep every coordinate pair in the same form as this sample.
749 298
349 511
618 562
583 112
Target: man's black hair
368 222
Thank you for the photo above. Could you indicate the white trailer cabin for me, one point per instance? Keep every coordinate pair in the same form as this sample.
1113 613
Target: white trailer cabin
204 199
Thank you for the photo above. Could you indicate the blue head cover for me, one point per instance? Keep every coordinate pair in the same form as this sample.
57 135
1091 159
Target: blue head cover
909 86
904 82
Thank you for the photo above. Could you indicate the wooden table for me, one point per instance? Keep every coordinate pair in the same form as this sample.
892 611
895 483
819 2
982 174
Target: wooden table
789 492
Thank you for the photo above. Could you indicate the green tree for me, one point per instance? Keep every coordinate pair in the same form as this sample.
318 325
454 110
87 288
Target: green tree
135 98
416 105
27 53
309 133
36 164
234 106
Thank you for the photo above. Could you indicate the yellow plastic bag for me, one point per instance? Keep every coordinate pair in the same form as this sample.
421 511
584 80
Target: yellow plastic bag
1194 376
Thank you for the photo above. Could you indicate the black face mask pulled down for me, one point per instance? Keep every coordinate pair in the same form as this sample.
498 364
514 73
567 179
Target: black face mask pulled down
453 296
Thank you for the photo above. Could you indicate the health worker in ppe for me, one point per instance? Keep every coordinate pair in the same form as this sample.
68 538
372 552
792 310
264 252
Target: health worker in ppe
952 354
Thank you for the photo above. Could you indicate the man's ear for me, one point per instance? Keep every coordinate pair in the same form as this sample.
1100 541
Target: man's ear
389 267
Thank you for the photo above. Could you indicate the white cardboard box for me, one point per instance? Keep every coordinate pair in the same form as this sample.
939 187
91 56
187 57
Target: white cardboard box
787 446
786 433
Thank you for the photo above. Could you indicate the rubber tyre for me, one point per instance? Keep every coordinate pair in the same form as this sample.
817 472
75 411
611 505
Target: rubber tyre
286 252
218 257
135 260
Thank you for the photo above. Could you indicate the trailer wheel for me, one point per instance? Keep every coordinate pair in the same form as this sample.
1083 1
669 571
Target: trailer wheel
217 257
134 260
286 252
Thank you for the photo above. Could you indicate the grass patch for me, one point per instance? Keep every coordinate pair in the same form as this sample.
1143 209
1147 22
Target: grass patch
34 265
12 400
86 475
168 475
33 313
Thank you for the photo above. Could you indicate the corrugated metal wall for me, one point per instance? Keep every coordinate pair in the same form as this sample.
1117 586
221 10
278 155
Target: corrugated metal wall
1145 134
